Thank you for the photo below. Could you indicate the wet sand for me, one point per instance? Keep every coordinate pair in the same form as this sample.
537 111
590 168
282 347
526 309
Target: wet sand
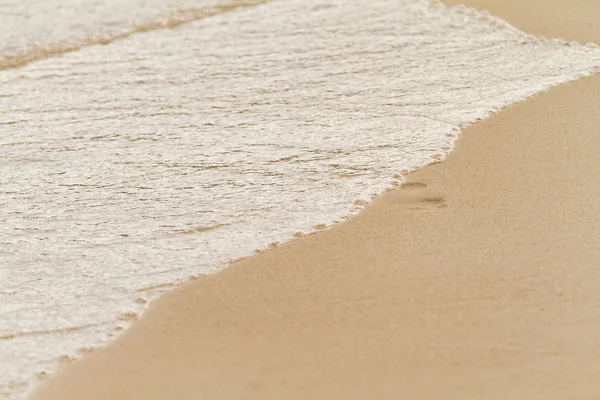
476 280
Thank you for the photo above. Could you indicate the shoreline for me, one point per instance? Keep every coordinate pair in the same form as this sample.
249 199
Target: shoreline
365 308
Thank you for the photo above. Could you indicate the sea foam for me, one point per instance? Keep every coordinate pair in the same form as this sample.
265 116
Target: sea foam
129 167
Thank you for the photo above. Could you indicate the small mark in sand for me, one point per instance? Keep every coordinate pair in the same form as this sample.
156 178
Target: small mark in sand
361 202
414 185
320 226
427 204
413 199
432 200
298 234
140 300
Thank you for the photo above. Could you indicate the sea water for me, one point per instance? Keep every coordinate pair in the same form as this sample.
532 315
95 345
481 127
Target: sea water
146 142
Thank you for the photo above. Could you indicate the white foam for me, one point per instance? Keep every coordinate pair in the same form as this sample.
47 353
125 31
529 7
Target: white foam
35 29
264 121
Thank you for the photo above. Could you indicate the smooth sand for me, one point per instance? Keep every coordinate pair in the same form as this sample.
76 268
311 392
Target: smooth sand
480 279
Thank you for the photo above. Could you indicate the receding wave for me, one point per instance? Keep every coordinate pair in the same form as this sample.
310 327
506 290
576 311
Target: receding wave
15 58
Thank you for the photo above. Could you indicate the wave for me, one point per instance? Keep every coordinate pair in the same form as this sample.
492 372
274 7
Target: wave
102 32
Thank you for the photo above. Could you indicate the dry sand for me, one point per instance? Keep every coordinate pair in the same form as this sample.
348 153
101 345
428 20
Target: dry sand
480 279
566 19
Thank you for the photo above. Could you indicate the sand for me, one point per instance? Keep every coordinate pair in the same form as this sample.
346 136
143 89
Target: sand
476 280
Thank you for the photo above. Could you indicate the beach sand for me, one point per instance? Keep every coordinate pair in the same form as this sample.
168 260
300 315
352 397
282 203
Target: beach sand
479 279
